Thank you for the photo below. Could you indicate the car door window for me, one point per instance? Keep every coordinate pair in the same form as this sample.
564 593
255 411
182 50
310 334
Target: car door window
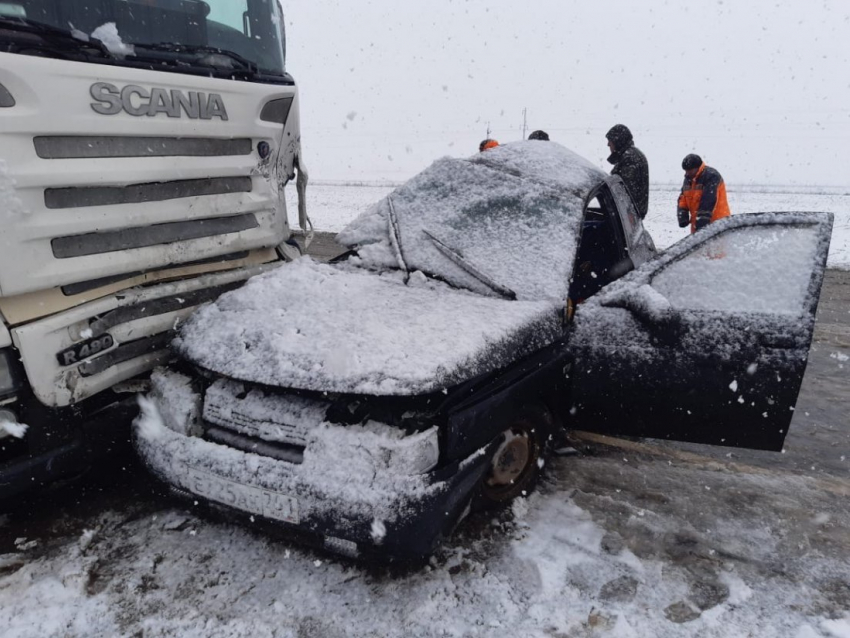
709 343
628 212
640 244
756 269
601 247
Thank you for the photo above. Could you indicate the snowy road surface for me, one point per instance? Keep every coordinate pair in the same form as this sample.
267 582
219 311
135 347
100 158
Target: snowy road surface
625 539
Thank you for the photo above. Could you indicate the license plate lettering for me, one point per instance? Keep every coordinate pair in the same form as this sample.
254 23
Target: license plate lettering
244 497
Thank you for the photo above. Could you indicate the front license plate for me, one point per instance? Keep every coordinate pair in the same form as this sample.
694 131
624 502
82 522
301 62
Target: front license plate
85 350
244 497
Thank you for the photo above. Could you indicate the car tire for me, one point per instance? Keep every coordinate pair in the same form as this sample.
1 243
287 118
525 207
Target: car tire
515 466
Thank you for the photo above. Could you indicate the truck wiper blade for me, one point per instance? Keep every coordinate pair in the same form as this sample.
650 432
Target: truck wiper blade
458 259
206 52
55 37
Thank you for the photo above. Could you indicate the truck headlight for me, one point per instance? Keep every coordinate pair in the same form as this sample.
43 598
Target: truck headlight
9 380
6 99
276 110
414 454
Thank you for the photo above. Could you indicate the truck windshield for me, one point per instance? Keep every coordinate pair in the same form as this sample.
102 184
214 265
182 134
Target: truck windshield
176 35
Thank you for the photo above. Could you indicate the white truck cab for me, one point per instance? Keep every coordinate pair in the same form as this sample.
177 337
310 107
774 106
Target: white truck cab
144 148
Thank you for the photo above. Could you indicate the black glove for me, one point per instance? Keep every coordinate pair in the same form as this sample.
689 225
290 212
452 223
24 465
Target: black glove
703 220
684 217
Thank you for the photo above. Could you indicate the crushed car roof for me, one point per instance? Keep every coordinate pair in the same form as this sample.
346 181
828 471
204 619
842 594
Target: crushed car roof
512 214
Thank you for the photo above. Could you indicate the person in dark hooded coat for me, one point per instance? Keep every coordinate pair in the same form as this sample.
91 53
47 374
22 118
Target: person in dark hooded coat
631 165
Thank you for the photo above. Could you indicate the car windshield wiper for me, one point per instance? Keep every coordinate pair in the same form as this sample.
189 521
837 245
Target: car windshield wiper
235 62
54 38
458 259
395 239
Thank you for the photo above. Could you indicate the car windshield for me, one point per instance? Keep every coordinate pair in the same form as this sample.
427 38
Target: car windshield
177 35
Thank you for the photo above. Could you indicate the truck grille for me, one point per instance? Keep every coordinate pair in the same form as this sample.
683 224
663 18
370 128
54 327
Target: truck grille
82 178
78 147
84 196
140 320
84 286
126 352
161 306
143 236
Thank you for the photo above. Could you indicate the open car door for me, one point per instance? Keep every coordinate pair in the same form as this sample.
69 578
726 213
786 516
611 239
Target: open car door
708 343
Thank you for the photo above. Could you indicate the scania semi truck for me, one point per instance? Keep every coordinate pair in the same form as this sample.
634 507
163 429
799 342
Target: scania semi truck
144 150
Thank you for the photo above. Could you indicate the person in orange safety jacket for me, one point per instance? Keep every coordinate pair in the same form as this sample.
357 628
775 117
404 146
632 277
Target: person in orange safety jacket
487 144
703 197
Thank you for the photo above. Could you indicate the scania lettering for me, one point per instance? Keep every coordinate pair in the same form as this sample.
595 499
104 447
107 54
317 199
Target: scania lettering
144 150
110 101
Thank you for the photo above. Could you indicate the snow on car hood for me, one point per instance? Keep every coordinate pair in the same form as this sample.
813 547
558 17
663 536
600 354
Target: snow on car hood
339 328
514 212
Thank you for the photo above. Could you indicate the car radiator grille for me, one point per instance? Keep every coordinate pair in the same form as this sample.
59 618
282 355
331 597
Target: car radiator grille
260 421
276 450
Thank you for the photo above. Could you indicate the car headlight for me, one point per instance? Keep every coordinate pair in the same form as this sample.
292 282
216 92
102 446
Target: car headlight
414 454
9 380
9 425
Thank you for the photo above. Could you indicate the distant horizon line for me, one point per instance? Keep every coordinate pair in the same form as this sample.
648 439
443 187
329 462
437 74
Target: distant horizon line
754 186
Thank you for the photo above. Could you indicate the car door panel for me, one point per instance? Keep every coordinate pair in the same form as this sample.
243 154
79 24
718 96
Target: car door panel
709 342
641 248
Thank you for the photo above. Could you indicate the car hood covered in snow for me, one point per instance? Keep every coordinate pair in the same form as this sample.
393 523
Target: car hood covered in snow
328 328
498 232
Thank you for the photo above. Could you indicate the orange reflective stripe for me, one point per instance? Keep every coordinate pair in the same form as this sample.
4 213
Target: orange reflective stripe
721 210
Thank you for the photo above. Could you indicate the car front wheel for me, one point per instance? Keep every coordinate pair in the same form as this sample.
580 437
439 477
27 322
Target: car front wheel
515 466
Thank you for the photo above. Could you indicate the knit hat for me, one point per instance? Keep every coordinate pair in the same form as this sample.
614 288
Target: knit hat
691 161
620 136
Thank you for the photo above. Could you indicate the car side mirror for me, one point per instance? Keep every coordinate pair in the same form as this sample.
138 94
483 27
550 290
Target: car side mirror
622 267
647 304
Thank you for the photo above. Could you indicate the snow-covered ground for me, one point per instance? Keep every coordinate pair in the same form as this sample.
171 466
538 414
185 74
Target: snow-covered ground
332 206
616 544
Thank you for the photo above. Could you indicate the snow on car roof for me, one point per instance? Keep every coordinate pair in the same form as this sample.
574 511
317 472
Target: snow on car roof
512 212
341 328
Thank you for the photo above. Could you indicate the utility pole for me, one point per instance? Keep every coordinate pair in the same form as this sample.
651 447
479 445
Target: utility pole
524 122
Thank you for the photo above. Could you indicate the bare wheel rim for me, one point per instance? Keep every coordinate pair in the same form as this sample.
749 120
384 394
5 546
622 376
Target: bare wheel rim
510 460
512 465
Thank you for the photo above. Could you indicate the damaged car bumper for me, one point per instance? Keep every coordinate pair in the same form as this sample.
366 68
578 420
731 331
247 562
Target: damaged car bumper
360 490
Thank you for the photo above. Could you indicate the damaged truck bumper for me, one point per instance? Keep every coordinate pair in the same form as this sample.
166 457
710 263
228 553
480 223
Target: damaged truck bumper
339 491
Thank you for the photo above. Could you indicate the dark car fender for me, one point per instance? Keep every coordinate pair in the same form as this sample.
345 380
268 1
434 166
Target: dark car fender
481 409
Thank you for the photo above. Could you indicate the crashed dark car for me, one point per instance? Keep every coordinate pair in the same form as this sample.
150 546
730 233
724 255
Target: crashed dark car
484 305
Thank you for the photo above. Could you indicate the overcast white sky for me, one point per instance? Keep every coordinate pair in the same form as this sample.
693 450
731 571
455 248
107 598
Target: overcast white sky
760 89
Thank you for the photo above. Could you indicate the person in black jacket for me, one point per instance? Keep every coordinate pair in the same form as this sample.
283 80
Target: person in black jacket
539 135
631 165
